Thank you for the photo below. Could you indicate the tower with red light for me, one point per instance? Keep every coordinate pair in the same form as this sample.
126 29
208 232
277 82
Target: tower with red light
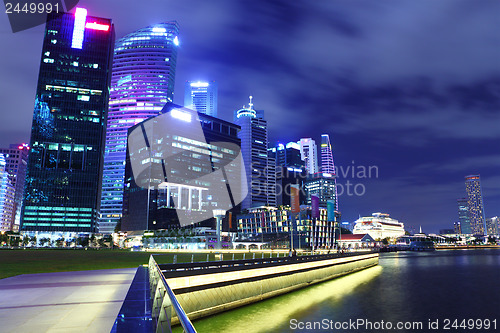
69 122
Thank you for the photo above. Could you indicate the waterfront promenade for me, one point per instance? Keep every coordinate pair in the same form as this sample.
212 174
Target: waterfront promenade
82 301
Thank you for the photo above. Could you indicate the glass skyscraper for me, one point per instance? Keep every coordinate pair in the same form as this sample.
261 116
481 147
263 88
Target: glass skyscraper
141 84
475 203
463 216
260 167
6 197
16 158
201 97
69 120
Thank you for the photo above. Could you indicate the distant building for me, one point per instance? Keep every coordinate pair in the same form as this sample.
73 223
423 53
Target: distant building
457 228
463 216
142 82
309 154
290 170
355 242
275 224
322 185
327 165
63 178
6 197
475 203
379 226
16 158
201 96
446 231
260 166
493 226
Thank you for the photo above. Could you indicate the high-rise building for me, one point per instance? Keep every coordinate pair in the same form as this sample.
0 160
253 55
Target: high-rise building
181 166
7 211
327 165
322 185
475 203
201 97
16 158
142 82
309 154
260 167
492 226
67 137
463 216
289 170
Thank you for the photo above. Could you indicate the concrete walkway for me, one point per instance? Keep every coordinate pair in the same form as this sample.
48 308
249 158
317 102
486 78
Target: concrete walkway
85 301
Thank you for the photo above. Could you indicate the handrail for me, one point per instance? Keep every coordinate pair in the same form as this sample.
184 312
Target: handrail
181 314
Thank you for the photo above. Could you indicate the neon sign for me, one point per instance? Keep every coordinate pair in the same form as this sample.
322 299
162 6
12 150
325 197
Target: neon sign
79 28
97 26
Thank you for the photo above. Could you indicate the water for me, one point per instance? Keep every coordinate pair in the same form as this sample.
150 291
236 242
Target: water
405 287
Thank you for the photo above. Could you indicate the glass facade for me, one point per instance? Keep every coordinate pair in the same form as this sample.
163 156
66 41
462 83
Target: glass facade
7 211
463 216
67 135
201 97
475 204
16 158
309 154
180 166
260 166
141 84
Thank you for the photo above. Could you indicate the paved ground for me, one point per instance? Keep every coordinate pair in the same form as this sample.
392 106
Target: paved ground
85 301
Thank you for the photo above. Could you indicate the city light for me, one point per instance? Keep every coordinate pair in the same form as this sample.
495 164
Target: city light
159 29
199 84
79 28
97 26
176 41
184 116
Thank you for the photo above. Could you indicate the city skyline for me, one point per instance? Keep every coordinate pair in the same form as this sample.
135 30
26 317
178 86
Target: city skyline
390 91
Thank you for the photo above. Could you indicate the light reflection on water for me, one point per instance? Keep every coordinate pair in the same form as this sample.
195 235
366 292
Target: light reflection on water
406 286
271 314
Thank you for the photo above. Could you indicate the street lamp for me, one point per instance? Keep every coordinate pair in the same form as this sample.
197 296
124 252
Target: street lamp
219 214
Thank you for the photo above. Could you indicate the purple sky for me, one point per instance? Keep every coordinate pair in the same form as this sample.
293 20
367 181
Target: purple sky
412 87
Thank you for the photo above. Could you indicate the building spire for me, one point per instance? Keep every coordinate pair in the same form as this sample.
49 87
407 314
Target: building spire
250 104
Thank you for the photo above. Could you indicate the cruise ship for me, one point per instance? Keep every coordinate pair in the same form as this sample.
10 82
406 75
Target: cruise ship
379 226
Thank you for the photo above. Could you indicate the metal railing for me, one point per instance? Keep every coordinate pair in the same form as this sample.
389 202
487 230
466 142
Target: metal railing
163 301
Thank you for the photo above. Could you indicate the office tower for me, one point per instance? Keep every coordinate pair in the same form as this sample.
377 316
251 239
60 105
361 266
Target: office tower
142 82
327 165
181 166
463 216
259 166
67 136
289 170
7 212
492 226
309 154
475 204
322 185
16 158
457 228
201 96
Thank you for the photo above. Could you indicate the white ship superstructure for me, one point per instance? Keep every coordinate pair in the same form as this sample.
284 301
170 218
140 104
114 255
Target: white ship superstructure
379 226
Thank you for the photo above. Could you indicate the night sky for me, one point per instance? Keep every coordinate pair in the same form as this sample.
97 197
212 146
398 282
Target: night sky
410 87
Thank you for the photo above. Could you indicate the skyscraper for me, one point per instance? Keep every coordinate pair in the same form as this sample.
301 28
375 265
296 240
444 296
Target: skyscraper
259 166
327 165
463 216
309 154
6 197
16 158
69 121
475 203
141 84
201 96
289 170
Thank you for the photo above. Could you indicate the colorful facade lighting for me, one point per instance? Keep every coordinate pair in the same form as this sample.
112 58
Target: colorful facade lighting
97 26
79 28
